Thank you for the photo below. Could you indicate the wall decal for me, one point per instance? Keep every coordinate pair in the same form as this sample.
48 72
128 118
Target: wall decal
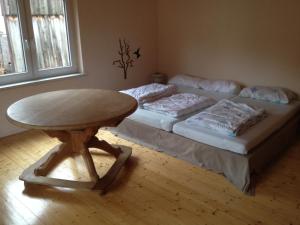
137 53
125 54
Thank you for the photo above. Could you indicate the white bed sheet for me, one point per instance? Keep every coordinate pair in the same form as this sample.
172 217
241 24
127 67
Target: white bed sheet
278 115
165 122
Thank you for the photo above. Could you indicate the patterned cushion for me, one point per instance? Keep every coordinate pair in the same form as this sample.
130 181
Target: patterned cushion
271 94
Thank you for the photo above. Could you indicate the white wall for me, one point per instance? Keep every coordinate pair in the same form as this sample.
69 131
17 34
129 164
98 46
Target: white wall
101 24
251 41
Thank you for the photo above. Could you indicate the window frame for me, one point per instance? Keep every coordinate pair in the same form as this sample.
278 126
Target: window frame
32 72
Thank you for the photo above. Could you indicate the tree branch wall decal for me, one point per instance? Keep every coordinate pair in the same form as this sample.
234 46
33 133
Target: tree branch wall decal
125 60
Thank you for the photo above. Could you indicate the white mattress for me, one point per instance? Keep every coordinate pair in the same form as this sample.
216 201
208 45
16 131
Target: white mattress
165 122
278 115
155 119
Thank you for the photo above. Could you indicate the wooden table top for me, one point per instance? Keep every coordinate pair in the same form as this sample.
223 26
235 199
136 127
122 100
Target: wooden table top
71 109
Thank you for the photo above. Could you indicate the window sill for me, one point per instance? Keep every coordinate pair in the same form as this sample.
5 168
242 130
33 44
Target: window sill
31 82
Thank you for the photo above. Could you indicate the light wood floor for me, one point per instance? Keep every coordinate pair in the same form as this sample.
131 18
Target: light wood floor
152 189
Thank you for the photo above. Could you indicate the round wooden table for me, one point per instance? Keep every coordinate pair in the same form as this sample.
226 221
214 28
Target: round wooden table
74 117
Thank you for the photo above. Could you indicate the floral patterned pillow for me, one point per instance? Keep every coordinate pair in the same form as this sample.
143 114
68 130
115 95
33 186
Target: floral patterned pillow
271 94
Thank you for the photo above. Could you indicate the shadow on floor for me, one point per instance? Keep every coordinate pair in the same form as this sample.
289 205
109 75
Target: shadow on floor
67 194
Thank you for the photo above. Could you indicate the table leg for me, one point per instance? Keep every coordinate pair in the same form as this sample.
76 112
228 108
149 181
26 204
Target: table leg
76 142
121 154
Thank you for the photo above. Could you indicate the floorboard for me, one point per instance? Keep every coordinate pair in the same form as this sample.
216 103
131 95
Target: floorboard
153 189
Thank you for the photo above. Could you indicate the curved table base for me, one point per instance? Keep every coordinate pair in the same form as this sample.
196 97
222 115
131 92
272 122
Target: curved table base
76 142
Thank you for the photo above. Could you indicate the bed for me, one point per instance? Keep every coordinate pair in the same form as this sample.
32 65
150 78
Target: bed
277 116
240 159
165 122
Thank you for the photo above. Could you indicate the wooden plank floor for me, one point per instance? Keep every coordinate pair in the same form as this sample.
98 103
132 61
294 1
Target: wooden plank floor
152 189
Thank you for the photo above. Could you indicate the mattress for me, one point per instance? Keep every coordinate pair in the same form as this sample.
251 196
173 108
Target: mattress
155 119
165 122
239 169
278 115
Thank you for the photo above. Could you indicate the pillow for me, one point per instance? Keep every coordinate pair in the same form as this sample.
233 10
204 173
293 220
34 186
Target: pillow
185 80
225 86
271 94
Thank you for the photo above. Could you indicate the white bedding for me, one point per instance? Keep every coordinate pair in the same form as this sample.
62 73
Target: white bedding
165 122
179 104
228 117
278 115
215 95
150 92
225 86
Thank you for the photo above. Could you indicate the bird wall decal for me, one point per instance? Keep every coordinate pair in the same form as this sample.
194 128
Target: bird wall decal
137 53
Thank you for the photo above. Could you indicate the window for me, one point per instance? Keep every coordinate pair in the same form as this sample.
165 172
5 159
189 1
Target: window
36 40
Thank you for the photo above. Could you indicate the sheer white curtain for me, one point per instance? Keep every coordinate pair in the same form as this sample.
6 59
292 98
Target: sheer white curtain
15 38
12 49
51 41
50 33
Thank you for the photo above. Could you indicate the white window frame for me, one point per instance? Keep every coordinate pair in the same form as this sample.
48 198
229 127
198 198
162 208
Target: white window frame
30 55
